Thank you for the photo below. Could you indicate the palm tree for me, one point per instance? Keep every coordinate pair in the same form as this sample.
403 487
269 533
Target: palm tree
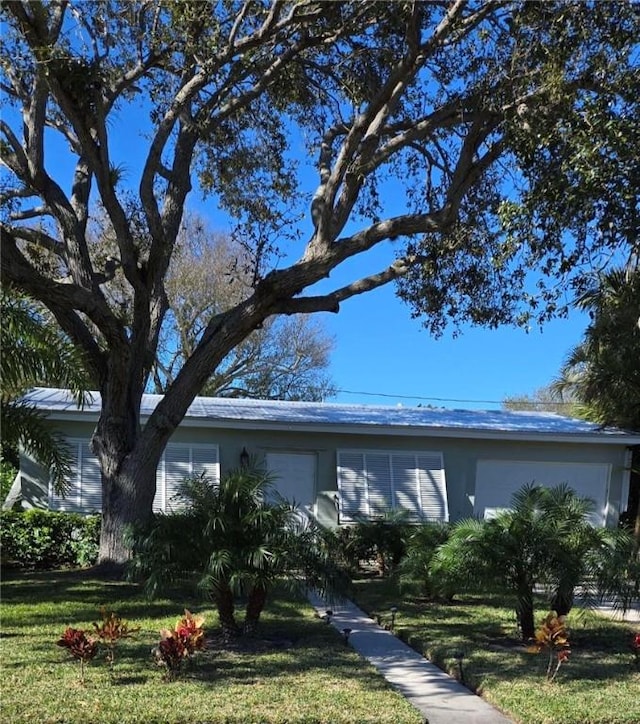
602 372
422 544
545 539
34 353
235 538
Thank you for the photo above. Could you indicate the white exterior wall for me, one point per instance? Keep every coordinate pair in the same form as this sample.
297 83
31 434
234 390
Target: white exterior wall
461 458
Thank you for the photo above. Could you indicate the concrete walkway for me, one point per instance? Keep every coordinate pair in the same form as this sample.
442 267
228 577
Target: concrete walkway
609 609
439 697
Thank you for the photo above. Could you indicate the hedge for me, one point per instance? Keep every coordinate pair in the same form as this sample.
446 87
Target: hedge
46 539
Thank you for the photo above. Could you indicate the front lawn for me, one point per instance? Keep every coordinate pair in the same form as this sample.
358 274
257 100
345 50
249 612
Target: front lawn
297 670
599 683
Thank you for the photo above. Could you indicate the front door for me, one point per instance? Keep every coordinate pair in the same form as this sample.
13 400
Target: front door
295 478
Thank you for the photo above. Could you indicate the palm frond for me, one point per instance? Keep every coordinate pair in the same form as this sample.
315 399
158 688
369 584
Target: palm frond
25 427
34 352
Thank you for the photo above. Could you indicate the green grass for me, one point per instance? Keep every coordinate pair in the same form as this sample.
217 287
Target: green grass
299 670
599 683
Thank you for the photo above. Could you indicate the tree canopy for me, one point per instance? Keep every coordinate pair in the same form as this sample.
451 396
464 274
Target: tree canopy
472 142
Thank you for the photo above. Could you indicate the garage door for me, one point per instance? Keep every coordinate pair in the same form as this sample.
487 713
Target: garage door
295 477
498 480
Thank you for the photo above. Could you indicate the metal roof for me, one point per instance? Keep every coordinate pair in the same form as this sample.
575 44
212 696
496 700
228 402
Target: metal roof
371 419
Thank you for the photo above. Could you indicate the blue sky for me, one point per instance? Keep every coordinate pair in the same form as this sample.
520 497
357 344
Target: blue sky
380 349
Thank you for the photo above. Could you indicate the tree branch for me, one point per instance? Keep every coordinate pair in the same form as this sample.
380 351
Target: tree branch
331 302
61 297
35 212
39 238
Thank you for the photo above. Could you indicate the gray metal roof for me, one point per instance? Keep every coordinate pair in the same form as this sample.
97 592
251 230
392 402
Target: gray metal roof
271 414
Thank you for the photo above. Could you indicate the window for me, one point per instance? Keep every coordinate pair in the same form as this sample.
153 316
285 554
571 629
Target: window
498 480
84 494
180 461
371 483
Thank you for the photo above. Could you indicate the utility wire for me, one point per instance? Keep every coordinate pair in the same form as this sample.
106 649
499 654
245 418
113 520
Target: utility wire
442 399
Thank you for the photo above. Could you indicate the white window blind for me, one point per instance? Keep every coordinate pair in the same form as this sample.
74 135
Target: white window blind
181 461
373 483
90 483
84 492
84 489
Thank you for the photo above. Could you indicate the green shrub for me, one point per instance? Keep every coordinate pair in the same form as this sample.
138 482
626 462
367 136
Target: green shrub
46 539
344 547
381 541
8 473
234 540
544 541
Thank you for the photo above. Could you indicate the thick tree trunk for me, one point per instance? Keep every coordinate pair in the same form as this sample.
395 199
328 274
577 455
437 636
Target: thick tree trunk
226 611
525 615
128 471
127 500
255 604
562 601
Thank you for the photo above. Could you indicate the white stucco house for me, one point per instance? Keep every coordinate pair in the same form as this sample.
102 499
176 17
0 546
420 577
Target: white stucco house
343 462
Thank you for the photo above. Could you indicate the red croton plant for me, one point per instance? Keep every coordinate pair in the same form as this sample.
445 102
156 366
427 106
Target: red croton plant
79 645
112 629
552 637
178 645
107 632
635 646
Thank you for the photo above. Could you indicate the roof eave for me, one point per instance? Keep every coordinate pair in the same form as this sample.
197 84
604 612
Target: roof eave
601 438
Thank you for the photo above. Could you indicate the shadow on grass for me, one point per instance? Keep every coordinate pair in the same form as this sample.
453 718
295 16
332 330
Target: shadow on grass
483 629
289 637
309 648
68 598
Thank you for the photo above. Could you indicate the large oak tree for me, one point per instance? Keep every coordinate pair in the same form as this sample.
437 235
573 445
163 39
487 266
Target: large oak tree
472 141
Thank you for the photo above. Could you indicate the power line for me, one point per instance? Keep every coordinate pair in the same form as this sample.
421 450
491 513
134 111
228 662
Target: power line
441 399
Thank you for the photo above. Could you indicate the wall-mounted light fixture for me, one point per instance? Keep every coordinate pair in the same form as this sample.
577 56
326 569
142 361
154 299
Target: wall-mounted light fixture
244 458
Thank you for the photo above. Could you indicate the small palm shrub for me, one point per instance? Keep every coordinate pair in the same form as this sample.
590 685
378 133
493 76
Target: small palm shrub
343 546
235 538
415 568
544 540
381 540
